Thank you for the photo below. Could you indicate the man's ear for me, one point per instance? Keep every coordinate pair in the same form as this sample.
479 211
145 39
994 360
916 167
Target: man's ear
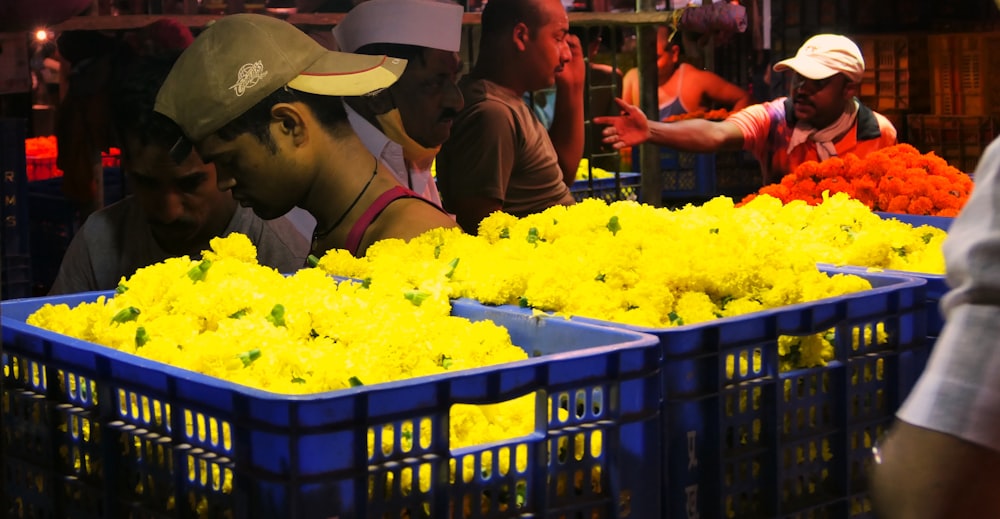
521 36
287 119
851 89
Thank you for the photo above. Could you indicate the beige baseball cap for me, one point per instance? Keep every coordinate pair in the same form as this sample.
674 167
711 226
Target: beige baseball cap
433 24
824 55
242 58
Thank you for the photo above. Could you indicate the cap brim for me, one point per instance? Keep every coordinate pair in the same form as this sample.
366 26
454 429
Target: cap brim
808 68
181 149
344 74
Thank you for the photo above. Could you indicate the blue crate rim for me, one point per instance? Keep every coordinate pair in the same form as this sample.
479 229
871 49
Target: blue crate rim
902 280
638 340
627 179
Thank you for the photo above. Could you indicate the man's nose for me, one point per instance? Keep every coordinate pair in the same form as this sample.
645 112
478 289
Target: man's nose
453 98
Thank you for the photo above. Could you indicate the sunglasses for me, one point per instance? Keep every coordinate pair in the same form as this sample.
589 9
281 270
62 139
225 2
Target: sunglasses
812 85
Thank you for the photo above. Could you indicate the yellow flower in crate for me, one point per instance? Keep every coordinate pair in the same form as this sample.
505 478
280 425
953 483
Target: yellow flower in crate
182 312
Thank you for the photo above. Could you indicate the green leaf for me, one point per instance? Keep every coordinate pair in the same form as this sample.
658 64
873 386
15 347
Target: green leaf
125 315
298 380
198 272
927 238
415 296
249 356
613 225
900 250
504 233
277 316
444 361
122 288
437 251
407 435
312 261
676 319
238 314
141 337
533 236
523 302
599 277
726 300
355 382
367 282
713 230
451 268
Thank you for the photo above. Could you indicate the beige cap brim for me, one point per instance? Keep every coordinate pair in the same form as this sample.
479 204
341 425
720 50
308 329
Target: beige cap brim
806 67
343 74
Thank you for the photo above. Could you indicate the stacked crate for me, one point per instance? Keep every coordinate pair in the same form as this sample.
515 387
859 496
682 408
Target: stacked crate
15 270
896 81
965 73
965 104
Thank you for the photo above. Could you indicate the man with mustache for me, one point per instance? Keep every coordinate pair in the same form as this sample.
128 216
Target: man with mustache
823 117
175 209
499 156
406 125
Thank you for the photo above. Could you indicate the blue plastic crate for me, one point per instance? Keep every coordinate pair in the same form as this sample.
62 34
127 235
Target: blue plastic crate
936 284
625 187
685 175
732 439
15 277
14 233
93 432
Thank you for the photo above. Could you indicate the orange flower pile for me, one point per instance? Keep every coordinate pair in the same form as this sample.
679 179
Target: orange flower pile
897 179
712 115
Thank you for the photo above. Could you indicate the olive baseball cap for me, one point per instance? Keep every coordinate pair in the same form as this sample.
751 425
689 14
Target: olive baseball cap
242 58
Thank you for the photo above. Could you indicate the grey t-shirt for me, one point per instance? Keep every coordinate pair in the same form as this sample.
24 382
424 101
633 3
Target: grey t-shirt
498 149
116 241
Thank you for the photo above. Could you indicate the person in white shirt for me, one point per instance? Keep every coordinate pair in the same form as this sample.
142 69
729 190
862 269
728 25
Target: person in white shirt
405 124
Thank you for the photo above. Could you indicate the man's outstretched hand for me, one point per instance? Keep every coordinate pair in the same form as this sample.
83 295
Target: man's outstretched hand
628 129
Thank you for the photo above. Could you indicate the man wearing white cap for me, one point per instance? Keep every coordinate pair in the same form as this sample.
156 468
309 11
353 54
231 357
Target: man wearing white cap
406 125
821 119
261 100
499 155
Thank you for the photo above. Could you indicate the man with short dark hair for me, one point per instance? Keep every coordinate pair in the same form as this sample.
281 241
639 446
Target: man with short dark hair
499 156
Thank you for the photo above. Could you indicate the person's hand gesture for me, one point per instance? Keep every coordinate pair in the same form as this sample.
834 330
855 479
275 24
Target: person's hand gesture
573 73
624 130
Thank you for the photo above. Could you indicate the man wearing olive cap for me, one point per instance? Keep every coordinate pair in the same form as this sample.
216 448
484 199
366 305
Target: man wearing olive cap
406 126
823 117
262 100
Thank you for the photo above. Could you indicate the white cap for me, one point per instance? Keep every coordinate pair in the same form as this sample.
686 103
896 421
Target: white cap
433 24
824 55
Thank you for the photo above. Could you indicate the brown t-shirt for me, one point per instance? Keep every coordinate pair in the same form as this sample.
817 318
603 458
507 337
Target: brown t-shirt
498 149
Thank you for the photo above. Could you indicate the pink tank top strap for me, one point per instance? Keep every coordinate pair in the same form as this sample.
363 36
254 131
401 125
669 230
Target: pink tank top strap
372 212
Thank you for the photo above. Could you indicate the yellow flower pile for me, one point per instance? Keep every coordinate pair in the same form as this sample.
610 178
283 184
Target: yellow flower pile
628 263
584 171
843 231
228 317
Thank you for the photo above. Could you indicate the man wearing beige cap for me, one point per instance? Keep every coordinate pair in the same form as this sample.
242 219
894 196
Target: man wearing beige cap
822 118
261 100
406 126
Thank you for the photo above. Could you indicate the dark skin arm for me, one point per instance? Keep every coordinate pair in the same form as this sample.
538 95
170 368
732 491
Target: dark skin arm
694 135
926 474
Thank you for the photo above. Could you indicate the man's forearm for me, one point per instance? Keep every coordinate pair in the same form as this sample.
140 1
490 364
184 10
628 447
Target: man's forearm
696 135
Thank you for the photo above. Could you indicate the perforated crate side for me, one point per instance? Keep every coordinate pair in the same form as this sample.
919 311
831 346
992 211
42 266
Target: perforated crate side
684 174
625 187
746 440
112 435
